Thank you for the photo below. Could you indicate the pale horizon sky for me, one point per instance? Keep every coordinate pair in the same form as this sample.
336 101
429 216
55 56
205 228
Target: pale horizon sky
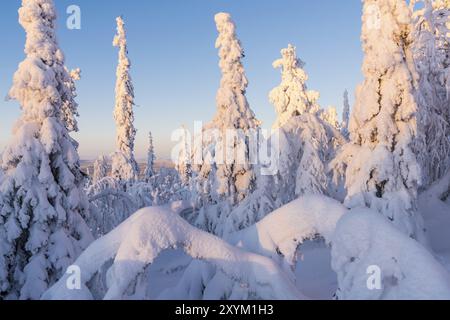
175 65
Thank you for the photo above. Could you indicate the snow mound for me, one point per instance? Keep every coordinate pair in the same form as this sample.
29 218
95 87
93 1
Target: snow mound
280 233
137 242
365 239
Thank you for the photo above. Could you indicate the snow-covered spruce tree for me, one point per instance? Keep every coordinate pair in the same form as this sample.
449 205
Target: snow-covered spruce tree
124 165
432 62
331 117
69 109
184 165
100 169
442 24
222 185
307 142
380 164
42 226
150 169
345 116
292 98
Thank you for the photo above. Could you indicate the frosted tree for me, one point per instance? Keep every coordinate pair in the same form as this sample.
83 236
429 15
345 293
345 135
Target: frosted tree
184 165
307 141
292 98
431 54
331 117
100 169
345 115
42 226
150 169
223 184
380 165
69 109
124 165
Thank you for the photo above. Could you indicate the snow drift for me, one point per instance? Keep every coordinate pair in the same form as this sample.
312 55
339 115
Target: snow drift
139 240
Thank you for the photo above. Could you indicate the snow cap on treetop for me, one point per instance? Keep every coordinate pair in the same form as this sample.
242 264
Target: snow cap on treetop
223 21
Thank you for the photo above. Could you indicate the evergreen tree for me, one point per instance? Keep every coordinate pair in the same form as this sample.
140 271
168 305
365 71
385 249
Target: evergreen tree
345 115
124 165
222 185
380 163
184 165
432 96
100 169
150 169
42 226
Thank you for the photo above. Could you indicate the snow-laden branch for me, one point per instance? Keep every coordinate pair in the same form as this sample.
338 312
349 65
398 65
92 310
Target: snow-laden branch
137 242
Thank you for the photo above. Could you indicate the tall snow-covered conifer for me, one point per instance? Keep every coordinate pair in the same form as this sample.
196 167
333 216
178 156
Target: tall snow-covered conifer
124 165
226 184
431 54
100 169
184 165
42 228
345 115
382 171
150 169
306 140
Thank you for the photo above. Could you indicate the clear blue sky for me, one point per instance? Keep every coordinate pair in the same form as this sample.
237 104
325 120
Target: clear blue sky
175 72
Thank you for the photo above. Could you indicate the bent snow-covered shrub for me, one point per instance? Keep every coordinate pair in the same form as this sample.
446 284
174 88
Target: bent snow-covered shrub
279 234
366 245
136 243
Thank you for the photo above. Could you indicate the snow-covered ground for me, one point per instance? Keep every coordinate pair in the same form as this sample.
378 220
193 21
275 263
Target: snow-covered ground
436 213
358 209
156 254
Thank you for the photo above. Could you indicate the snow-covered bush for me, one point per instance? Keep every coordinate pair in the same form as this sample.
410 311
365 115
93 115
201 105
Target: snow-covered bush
110 204
279 235
136 243
124 165
41 219
365 245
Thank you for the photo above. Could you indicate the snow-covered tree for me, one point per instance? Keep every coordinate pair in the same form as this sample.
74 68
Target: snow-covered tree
42 228
345 115
307 140
292 98
69 109
331 117
124 165
184 165
305 144
380 164
100 169
150 169
431 55
223 184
